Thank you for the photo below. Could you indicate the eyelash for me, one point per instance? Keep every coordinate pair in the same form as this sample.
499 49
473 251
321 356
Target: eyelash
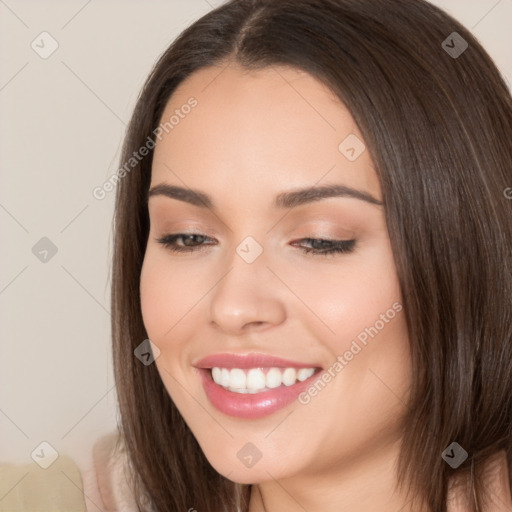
337 247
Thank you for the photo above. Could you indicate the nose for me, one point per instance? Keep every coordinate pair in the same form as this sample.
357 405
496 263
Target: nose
248 297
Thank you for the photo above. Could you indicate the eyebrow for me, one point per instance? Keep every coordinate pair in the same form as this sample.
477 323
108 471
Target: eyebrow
288 199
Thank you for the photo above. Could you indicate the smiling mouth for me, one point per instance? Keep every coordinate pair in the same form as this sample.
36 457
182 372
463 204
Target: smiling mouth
259 380
244 392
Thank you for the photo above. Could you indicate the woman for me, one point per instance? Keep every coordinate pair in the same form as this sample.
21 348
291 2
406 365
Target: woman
311 294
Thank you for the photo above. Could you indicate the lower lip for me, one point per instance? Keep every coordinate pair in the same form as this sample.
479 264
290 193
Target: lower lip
251 405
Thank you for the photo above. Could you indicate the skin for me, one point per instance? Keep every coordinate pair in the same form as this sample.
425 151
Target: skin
251 136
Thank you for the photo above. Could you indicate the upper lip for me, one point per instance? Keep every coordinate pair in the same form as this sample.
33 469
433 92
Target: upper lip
251 360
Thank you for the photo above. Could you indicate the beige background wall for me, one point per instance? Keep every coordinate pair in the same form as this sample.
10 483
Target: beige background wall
61 125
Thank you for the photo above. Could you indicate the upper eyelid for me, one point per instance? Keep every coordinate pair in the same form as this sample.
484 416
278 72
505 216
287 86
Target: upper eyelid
308 226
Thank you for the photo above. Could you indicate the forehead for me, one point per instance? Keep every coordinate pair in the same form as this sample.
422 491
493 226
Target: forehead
251 129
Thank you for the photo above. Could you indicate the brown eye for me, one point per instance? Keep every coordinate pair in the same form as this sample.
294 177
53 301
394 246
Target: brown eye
190 241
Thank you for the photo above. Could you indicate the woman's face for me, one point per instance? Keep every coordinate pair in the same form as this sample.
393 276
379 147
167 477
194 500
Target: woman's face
249 287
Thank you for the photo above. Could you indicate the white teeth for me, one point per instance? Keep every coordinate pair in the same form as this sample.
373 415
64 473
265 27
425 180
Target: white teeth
216 374
289 376
237 378
274 378
238 390
255 380
224 379
305 373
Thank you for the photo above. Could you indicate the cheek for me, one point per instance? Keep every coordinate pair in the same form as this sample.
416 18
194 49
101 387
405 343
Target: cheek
344 298
160 293
151 297
170 296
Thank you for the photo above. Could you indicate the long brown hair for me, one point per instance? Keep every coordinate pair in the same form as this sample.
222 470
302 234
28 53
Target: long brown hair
439 128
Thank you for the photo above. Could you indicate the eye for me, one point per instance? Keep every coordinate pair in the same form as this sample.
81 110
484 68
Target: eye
328 247
195 242
191 241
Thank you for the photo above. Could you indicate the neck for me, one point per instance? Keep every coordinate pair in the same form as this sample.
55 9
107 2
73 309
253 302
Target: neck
358 486
276 496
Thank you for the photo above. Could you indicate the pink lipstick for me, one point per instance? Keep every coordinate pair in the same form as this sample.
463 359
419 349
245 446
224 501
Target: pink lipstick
253 385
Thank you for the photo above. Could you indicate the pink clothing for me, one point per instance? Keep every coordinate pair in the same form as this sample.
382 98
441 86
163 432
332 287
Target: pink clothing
65 487
106 488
